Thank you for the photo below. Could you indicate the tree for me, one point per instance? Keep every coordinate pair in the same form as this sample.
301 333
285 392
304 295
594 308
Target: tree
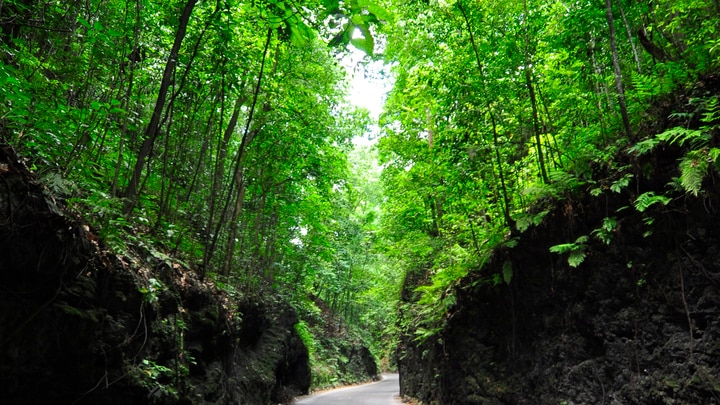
152 130
616 68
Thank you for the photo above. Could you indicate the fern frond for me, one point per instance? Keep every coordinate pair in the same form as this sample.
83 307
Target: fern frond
644 86
712 111
646 200
693 168
576 258
645 146
562 248
620 184
680 135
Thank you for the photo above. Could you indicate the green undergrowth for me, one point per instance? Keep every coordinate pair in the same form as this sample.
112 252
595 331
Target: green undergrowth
695 143
339 354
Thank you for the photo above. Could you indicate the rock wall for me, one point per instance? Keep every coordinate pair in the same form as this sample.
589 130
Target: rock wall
79 325
638 322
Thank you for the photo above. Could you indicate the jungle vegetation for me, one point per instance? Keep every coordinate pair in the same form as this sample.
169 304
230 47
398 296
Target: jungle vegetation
219 133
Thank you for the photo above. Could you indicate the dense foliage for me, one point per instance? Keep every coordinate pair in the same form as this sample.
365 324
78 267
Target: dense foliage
215 132
218 132
501 108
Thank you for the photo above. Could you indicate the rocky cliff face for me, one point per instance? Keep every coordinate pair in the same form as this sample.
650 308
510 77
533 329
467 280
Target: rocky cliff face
637 323
609 331
81 325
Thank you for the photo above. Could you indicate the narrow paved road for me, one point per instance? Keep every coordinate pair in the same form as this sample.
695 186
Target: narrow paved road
384 392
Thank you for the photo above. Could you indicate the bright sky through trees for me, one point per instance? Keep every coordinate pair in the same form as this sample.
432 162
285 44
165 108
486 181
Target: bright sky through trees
369 85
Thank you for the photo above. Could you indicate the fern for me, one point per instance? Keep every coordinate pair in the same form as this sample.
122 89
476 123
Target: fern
680 135
713 155
576 250
423 334
712 111
58 185
646 200
621 183
524 220
606 231
563 248
693 168
645 146
696 138
646 86
576 258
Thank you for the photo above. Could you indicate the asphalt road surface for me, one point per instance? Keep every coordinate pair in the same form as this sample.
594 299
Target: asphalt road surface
384 392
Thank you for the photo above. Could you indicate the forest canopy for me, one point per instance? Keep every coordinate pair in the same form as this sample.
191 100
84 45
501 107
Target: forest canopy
219 132
213 132
501 110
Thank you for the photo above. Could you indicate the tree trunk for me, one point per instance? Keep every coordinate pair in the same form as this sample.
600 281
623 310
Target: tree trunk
630 37
248 136
217 176
618 74
600 84
506 201
152 130
536 125
655 51
533 98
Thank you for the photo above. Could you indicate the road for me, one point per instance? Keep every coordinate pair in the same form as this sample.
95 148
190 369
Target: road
384 392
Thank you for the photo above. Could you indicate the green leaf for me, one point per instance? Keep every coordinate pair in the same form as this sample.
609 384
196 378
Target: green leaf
524 220
507 272
363 45
85 23
343 37
563 247
680 135
331 6
714 153
693 168
576 258
606 231
576 250
300 33
621 183
645 146
367 43
511 243
648 199
379 12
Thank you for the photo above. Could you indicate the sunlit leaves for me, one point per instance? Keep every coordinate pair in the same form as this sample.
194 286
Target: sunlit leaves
358 17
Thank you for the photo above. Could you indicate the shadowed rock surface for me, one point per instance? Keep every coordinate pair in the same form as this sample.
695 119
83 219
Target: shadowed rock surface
637 323
83 326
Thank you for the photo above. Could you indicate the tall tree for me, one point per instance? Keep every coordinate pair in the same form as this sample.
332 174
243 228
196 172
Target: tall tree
619 87
152 129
